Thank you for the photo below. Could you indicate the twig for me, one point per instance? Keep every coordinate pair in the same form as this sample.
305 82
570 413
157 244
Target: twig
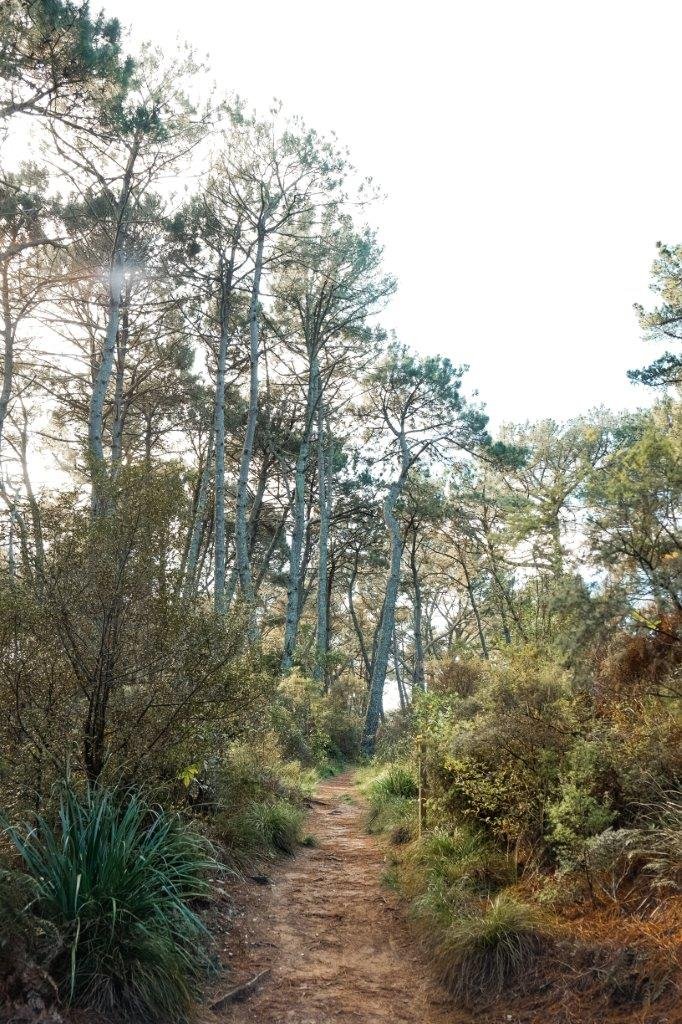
239 993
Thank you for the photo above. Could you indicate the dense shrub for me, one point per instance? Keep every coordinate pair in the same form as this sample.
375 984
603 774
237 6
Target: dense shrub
118 877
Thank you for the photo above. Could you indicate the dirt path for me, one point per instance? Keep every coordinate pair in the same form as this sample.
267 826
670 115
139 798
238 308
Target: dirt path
331 936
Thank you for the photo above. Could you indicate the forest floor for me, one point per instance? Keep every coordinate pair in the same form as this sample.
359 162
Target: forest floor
333 939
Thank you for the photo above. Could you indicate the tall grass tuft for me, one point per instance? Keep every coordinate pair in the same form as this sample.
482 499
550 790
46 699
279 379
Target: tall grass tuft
259 830
392 797
117 878
482 953
396 780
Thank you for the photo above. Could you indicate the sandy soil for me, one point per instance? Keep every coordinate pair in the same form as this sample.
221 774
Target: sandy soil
332 937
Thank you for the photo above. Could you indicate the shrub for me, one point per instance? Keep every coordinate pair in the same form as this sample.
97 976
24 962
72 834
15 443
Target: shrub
460 857
576 818
117 877
480 954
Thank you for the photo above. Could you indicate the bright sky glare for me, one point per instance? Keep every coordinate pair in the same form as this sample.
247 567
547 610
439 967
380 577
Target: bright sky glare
529 152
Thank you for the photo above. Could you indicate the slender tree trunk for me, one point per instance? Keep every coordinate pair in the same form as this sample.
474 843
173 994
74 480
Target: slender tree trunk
294 584
398 673
119 409
386 626
474 608
8 358
190 568
418 673
272 547
102 375
324 502
241 534
219 485
354 619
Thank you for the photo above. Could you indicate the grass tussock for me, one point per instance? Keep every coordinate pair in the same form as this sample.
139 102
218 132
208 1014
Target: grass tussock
260 830
481 953
118 878
391 794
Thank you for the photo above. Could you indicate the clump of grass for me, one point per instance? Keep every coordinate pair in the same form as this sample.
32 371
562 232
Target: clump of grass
261 829
396 780
462 855
386 813
392 800
482 953
117 878
281 823
402 833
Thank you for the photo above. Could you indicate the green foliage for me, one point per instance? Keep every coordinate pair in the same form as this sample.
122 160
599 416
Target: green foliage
494 757
662 323
54 49
258 800
463 857
118 877
304 718
584 806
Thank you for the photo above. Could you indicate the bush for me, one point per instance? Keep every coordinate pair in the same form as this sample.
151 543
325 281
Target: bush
480 954
117 878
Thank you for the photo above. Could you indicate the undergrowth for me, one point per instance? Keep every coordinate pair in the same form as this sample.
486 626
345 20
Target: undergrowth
498 924
481 936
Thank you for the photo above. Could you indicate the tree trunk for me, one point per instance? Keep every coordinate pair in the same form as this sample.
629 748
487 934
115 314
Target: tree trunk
219 485
190 568
324 502
8 358
102 375
474 608
241 527
398 675
354 619
294 584
119 410
386 626
418 672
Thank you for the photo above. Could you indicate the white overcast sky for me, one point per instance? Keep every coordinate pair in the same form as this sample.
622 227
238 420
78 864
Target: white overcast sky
530 151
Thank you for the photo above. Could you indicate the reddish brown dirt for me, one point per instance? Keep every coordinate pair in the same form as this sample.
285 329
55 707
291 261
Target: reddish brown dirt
333 938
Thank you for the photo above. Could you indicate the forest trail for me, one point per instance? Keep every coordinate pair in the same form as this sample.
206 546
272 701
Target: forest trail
332 937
